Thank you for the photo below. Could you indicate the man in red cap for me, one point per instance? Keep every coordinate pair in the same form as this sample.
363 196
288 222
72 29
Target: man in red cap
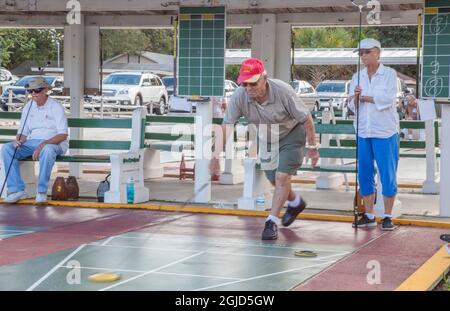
284 127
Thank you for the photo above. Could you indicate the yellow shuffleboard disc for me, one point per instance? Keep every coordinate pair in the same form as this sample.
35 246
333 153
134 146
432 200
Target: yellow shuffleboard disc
104 277
305 254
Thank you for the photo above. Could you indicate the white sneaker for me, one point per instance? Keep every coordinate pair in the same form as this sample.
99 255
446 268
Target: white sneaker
15 196
41 198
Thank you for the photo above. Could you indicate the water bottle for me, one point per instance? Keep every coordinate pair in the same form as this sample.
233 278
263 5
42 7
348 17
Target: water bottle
130 190
260 202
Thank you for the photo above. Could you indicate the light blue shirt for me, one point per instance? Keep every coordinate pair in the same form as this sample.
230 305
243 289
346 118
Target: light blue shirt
379 120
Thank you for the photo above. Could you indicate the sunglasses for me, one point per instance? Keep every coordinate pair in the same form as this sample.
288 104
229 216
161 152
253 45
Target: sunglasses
37 91
245 84
362 52
253 84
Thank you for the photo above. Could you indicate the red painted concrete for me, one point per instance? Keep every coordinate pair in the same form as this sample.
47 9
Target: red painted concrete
49 216
399 254
66 228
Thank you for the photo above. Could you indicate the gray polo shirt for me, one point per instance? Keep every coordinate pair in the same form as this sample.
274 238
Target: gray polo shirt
283 108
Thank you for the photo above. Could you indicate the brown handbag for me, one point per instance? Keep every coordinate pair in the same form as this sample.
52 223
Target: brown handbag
59 191
73 191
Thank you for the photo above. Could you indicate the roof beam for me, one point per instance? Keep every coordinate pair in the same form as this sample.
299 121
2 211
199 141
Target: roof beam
170 5
389 18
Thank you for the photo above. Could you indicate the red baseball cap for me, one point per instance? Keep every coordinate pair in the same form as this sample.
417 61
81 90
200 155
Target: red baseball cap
251 70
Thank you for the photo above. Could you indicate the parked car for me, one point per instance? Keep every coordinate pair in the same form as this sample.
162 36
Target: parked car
333 91
307 93
136 89
181 104
229 88
18 89
402 91
6 77
168 83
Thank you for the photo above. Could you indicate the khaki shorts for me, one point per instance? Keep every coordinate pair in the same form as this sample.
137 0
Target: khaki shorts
290 153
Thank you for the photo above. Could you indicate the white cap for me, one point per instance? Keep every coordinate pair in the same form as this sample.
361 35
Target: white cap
369 43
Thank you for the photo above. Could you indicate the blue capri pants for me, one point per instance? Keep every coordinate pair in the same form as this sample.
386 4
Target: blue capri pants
385 151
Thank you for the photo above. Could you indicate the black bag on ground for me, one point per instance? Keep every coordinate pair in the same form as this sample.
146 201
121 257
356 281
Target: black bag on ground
102 188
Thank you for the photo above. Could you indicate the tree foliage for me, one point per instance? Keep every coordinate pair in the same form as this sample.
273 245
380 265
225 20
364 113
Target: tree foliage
19 45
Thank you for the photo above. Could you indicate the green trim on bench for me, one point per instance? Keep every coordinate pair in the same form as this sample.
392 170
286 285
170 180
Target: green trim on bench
10 115
169 146
345 168
437 124
169 136
142 143
169 119
99 144
412 124
8 132
413 144
79 158
99 123
187 120
338 153
335 129
176 119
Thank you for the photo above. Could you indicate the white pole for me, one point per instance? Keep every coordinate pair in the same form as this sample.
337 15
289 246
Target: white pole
59 57
445 163
203 132
431 184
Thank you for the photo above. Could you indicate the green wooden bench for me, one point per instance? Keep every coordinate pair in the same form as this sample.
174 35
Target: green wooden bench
129 152
81 123
177 140
405 145
164 141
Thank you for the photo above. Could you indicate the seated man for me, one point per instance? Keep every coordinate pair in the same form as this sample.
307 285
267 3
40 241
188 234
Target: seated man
411 113
43 125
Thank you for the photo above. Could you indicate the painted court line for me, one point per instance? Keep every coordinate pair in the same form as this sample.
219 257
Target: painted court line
12 230
263 276
161 273
236 244
151 271
108 240
32 287
224 253
149 248
6 236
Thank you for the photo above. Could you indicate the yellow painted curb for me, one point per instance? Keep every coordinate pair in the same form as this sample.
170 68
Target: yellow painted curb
429 274
421 223
237 212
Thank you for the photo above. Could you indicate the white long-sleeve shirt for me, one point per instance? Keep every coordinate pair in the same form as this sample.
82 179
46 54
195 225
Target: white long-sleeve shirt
379 119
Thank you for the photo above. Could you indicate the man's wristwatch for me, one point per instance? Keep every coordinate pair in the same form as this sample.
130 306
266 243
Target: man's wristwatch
312 147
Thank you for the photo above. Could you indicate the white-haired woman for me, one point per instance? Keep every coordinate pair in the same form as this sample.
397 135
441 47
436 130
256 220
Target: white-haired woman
378 137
